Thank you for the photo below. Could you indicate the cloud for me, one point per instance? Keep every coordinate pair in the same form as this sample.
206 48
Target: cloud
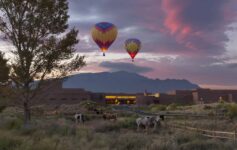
198 33
187 27
232 65
208 71
125 67
199 25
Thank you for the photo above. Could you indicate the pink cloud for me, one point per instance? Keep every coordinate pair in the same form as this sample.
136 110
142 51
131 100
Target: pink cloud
199 25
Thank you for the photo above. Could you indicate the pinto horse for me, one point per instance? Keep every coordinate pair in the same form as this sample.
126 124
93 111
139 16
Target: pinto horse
148 121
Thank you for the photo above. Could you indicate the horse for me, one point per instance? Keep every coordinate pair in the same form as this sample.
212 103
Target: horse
108 116
51 113
98 111
79 118
148 122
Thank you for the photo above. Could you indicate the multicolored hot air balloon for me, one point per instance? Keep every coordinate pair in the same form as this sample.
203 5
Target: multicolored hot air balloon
132 46
104 34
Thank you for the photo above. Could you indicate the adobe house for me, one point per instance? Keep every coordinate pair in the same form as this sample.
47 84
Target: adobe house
53 93
120 99
212 96
182 97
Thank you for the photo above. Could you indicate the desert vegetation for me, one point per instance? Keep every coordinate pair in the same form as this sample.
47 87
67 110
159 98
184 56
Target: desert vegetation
58 131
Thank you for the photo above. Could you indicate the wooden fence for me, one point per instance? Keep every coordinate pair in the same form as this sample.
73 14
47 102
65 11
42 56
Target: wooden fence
208 133
189 114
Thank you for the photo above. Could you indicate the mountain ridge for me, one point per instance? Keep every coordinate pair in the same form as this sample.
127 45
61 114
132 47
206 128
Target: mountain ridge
124 82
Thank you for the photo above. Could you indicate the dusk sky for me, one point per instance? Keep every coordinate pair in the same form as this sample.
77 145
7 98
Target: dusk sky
181 39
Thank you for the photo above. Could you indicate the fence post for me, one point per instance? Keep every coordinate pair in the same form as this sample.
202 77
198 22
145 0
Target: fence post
185 122
235 134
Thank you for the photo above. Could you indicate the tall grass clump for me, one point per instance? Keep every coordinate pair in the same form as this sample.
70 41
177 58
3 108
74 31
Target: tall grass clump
62 130
199 144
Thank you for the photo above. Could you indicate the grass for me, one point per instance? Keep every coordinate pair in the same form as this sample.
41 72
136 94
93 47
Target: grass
60 133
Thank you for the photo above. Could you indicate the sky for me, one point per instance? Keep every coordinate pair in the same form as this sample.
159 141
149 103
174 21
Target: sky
182 39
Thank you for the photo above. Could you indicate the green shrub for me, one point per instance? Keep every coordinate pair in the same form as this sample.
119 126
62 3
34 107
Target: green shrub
12 123
207 107
2 107
9 143
13 112
172 106
128 123
221 101
142 108
221 105
232 111
155 108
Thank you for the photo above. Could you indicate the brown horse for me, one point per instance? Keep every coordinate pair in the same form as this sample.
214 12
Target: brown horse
109 116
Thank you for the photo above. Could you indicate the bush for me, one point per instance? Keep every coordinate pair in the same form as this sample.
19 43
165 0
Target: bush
221 105
155 108
207 107
2 107
128 123
142 108
232 111
221 101
172 106
12 123
9 142
12 111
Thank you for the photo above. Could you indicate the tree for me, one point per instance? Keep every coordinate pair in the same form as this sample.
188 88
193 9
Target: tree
4 69
4 78
44 46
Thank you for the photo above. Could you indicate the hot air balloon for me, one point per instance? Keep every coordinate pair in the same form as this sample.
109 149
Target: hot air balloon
132 46
104 34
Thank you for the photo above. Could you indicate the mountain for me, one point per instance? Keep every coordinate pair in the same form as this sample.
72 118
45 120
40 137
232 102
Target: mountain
124 82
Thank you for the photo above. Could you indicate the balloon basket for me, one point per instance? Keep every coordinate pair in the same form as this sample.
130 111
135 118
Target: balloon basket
103 54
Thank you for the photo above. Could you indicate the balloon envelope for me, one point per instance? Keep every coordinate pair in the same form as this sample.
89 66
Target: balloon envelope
104 34
132 46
